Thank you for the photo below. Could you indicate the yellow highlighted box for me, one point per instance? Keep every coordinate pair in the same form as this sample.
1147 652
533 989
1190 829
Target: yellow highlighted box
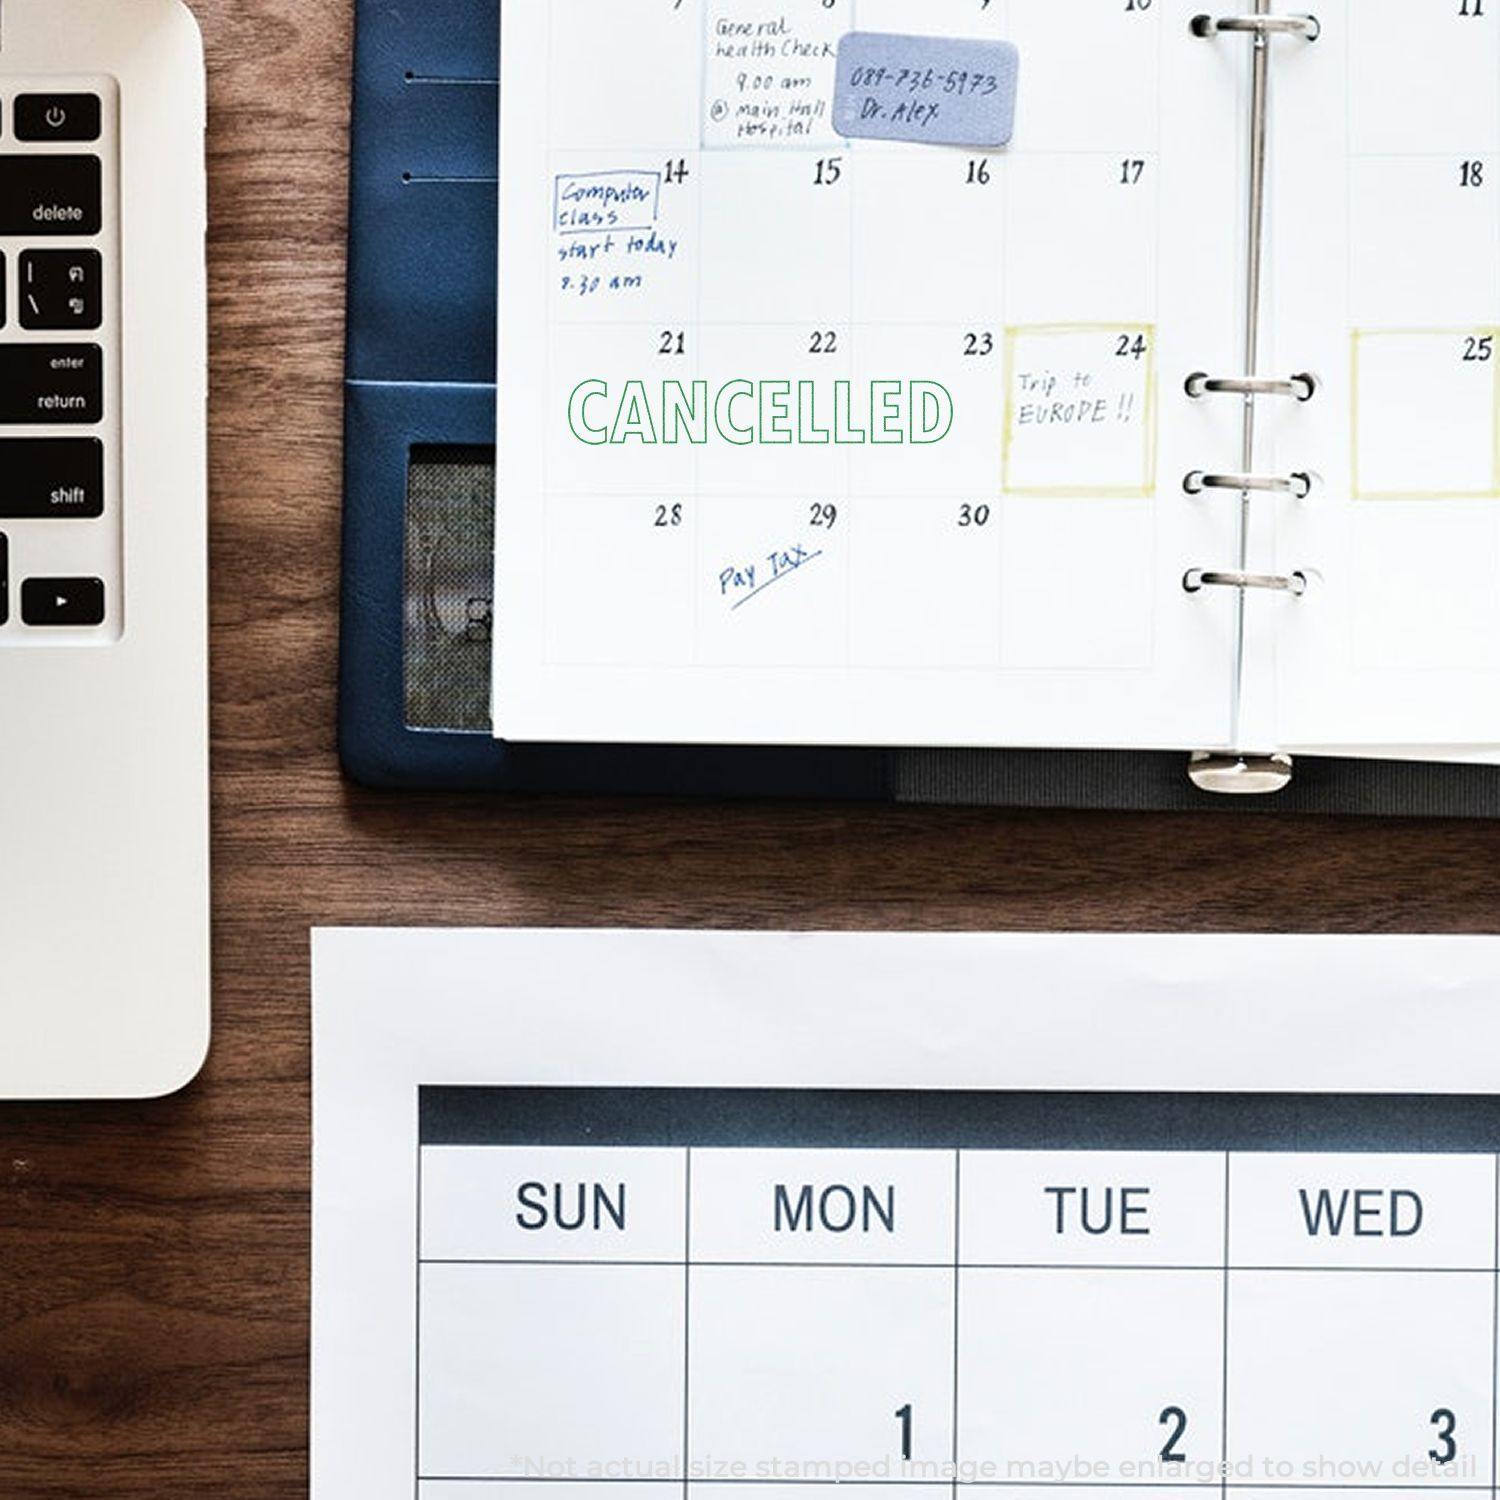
1425 413
1080 410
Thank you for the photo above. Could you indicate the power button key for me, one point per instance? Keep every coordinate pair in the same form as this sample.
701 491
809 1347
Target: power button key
58 117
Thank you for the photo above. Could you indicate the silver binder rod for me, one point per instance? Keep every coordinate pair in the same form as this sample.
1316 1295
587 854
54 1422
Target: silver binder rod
1297 485
1236 772
1195 580
1298 387
1306 27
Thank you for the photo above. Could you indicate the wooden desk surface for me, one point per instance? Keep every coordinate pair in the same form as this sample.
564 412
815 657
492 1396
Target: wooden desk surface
154 1260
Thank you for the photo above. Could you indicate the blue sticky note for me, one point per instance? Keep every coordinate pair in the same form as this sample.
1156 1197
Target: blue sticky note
944 91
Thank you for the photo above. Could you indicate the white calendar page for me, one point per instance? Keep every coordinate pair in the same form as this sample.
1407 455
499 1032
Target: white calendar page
1386 188
676 207
603 1215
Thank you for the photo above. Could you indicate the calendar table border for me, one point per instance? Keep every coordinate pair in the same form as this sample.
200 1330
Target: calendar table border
961 1124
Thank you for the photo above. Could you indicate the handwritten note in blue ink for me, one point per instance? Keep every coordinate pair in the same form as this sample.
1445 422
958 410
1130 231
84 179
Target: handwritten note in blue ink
943 91
597 202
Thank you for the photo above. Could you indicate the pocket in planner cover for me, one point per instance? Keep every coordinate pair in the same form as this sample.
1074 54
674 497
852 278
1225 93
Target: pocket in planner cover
941 91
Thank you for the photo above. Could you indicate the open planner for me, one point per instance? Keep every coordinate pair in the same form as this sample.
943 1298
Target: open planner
1001 373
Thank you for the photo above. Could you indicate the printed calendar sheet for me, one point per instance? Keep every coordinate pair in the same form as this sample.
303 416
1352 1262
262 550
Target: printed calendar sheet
676 1215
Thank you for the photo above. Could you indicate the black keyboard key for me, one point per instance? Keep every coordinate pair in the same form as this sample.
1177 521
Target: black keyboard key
2 289
61 289
58 117
53 602
4 579
45 479
51 383
50 195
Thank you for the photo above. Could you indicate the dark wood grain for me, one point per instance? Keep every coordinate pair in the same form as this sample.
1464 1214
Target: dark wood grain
154 1260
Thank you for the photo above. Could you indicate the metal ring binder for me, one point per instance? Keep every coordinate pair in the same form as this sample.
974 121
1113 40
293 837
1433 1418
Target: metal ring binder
1299 484
1197 579
1299 387
1232 771
1306 27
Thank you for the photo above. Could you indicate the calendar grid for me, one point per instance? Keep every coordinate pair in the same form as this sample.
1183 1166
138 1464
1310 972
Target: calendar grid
902 518
1250 1486
1114 1267
958 1199
687 1316
1224 1338
999 1300
417 1337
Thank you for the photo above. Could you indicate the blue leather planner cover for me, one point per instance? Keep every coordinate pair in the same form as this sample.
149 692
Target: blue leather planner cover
420 380
419 496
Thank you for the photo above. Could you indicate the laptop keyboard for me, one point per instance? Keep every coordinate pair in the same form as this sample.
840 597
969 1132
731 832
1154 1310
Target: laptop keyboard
60 525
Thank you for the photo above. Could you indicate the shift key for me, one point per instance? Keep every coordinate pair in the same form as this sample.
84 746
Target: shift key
42 384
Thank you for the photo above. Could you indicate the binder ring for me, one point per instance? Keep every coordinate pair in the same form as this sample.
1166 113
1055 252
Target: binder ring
1298 485
1198 579
1300 387
1306 27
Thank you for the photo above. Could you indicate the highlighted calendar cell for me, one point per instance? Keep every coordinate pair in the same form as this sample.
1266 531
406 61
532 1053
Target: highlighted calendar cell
530 1370
823 1207
542 1489
777 240
1117 1370
623 236
1446 383
605 432
606 87
960 367
1423 232
773 580
1092 1209
895 618
1445 103
1080 416
945 18
839 1365
1041 626
543 1202
1372 1212
1070 260
1104 97
1363 1377
769 73
630 558
1434 610
895 202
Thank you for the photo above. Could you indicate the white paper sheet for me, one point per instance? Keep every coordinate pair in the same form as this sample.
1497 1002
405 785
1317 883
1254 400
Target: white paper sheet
804 1209
1386 213
1016 581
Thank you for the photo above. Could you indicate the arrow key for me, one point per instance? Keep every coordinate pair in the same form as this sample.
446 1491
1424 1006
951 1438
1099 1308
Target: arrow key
52 602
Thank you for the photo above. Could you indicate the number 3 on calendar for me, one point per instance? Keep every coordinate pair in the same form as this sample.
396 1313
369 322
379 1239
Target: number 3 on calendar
1447 1437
